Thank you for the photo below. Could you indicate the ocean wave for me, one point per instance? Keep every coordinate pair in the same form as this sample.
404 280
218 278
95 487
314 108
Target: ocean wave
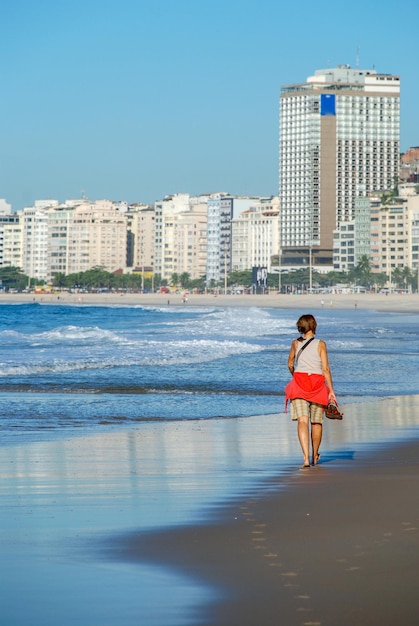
250 323
172 310
61 336
344 344
153 354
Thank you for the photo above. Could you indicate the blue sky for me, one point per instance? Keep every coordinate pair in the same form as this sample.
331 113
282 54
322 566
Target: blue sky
134 100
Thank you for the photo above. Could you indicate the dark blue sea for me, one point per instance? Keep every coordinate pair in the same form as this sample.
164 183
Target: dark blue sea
82 366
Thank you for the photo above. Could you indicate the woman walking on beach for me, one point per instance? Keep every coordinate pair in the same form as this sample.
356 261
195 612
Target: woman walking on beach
311 387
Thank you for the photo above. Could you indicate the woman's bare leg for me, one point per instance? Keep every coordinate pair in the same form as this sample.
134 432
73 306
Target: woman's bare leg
304 439
316 439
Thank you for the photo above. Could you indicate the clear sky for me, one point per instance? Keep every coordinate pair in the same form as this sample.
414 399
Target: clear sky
136 99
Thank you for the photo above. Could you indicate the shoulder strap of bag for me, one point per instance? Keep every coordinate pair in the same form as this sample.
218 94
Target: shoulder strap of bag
303 348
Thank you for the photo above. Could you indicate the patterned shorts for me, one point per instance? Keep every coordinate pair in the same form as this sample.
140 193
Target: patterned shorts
304 408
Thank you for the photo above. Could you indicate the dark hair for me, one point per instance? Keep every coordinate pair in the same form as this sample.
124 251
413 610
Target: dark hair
306 323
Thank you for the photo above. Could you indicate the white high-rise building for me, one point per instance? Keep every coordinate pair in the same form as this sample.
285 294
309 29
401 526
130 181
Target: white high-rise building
97 237
222 208
35 241
180 236
339 140
255 236
11 237
8 218
163 242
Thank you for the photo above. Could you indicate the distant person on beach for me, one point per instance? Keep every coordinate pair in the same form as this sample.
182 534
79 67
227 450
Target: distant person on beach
311 387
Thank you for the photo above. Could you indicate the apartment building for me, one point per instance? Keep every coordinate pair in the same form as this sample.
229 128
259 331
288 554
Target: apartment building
222 209
34 222
410 165
10 240
49 238
140 236
414 235
180 236
339 140
163 231
189 241
352 238
362 223
344 243
6 217
59 229
255 235
393 237
386 230
215 219
97 237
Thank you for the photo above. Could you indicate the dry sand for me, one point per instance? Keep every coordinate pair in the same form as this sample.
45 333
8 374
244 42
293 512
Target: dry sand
408 303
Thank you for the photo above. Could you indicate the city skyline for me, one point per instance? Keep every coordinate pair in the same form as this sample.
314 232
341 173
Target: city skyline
135 101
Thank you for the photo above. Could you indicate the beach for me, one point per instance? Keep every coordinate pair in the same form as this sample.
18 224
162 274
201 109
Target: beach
338 545
211 521
395 302
256 542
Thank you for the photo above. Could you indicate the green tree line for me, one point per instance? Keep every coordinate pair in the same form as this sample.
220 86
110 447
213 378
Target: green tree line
99 278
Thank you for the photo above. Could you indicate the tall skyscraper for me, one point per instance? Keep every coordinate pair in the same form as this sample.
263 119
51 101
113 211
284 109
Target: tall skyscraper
339 140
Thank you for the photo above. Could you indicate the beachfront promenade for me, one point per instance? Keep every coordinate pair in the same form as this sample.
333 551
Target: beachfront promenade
408 303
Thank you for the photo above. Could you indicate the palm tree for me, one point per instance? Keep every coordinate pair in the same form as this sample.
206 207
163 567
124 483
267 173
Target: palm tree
11 276
184 279
397 276
407 276
60 280
362 271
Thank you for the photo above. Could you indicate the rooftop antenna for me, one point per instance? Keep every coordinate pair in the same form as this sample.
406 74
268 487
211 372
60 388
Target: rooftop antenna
357 58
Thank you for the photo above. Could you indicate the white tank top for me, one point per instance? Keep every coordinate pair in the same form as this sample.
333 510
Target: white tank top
309 360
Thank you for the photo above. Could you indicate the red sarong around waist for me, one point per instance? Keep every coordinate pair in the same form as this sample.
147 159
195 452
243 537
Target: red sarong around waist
310 387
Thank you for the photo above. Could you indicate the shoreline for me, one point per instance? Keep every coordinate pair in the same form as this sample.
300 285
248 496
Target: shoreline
338 545
394 303
239 534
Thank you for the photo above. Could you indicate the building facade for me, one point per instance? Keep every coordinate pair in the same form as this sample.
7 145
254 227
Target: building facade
222 209
214 224
10 240
255 236
140 236
49 239
180 233
35 241
385 230
97 237
339 140
410 165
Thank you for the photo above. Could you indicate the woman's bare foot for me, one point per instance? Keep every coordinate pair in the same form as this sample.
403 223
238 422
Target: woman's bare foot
316 459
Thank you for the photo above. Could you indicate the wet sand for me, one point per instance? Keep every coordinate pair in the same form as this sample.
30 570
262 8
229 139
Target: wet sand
335 544
395 302
245 537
